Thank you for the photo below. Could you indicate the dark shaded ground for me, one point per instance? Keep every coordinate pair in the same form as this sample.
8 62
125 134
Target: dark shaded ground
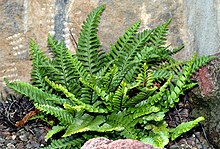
195 138
31 135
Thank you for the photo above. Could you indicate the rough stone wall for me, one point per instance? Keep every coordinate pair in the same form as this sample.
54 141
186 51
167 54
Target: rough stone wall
195 24
206 100
22 20
202 24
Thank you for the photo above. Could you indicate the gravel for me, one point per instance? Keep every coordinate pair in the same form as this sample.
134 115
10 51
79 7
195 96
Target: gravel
26 137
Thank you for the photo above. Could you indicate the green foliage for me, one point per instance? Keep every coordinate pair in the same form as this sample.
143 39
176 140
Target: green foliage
184 127
53 131
66 143
121 94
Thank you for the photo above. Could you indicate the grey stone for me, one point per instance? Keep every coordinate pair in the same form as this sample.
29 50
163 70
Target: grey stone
10 146
202 23
2 140
23 137
29 146
174 147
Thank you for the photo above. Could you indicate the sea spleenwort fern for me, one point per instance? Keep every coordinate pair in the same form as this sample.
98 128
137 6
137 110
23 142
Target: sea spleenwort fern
121 94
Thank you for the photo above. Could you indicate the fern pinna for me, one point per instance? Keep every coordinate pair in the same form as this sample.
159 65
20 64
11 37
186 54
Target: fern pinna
124 93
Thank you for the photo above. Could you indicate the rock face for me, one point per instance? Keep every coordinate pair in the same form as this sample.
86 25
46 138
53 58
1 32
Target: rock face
206 100
195 24
104 143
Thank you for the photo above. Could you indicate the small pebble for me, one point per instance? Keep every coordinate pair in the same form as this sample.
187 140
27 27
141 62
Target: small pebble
29 146
10 146
13 137
2 140
23 137
20 146
174 147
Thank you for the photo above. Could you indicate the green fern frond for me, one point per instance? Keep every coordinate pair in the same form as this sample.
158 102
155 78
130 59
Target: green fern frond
30 91
43 117
174 51
122 120
80 70
88 43
183 77
104 96
161 75
154 117
200 61
54 130
134 100
122 44
120 97
66 143
144 56
88 108
62 61
143 111
175 91
126 61
167 66
109 77
59 87
74 100
89 123
158 36
64 117
157 140
104 69
38 72
86 95
99 92
158 96
82 124
145 78
184 127
189 86
136 46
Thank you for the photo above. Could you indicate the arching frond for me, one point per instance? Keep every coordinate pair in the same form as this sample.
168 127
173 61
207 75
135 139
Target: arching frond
184 127
38 72
122 44
88 43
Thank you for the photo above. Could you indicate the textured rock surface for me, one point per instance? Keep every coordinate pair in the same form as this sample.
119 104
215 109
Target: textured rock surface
206 100
104 143
23 19
202 24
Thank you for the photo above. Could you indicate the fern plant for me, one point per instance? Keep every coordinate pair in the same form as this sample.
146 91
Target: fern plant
124 93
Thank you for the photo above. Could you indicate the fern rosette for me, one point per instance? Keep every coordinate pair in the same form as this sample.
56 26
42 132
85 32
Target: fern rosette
124 93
